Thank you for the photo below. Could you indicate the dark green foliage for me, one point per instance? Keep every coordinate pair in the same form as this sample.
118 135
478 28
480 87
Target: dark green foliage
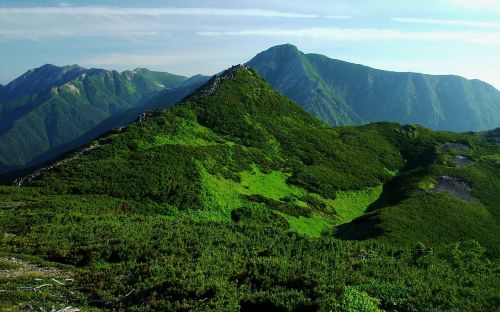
406 213
180 264
258 216
314 202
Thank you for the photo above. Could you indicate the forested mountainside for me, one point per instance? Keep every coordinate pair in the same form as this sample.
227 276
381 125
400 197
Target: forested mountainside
342 93
50 107
237 199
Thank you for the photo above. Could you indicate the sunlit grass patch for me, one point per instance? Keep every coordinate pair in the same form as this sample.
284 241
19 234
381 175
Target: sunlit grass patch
349 205
427 183
311 226
272 185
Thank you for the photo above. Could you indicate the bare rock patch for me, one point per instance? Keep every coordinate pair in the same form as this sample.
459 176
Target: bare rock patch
448 147
453 186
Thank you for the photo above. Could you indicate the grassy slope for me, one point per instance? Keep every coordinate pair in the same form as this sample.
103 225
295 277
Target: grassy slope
273 157
196 208
406 212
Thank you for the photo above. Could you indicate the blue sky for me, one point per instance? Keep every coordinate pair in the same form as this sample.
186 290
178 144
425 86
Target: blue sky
459 37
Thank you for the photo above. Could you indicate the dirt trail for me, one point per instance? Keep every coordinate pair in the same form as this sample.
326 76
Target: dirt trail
11 267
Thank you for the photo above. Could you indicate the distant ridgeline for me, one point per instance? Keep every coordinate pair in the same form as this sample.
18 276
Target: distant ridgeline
50 110
237 199
342 93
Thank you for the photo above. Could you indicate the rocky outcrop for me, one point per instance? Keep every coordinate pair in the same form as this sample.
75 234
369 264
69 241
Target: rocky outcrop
212 85
448 147
453 186
145 116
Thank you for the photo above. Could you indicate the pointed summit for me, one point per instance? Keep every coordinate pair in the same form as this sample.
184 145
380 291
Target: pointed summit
281 51
343 93
289 71
212 84
39 79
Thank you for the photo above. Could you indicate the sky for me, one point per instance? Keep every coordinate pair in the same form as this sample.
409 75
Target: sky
460 37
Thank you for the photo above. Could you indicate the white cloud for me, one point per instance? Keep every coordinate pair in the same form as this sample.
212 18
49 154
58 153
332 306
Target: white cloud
147 59
72 32
338 17
37 23
42 26
446 22
365 34
130 11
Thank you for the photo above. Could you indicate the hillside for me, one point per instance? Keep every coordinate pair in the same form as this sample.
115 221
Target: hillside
49 107
342 93
232 199
50 110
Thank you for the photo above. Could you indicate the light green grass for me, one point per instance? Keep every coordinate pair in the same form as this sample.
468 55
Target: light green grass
221 196
351 204
187 132
312 226
427 183
271 185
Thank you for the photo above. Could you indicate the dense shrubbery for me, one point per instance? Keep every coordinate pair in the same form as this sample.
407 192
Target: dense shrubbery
253 263
199 208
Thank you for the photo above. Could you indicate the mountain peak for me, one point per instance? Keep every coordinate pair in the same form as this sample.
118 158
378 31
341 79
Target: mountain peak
283 51
212 84
40 79
232 71
140 70
284 47
341 93
53 67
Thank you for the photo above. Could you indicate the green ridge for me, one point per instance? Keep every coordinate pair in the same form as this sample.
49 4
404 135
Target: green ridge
237 199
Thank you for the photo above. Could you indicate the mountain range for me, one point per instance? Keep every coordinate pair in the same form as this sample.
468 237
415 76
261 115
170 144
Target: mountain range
238 199
51 110
342 93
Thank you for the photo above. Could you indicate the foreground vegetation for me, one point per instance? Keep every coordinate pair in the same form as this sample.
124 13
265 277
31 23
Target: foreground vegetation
146 262
238 200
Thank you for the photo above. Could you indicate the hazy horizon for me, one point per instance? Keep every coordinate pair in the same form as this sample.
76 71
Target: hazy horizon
448 37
